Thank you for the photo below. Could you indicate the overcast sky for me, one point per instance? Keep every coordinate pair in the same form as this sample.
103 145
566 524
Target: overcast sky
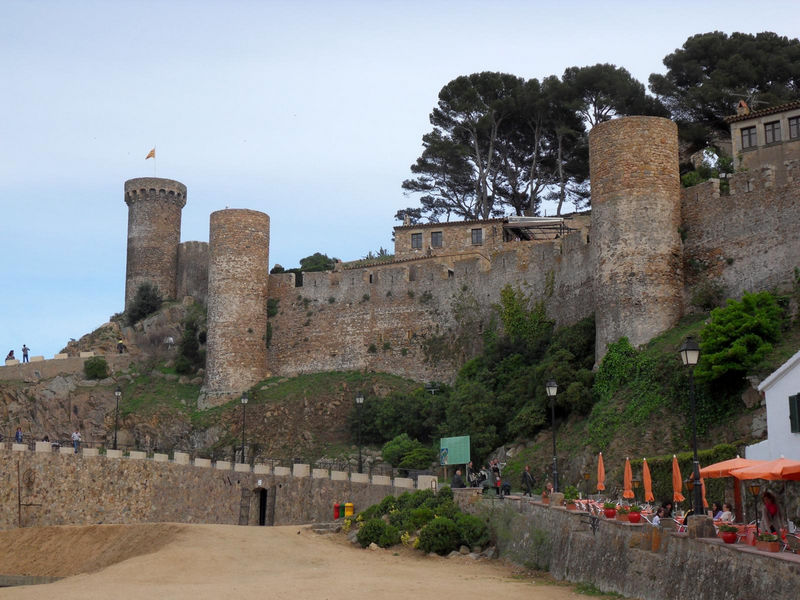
309 111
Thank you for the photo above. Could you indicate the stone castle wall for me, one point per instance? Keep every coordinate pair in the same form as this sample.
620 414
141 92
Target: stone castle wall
154 232
398 318
192 277
747 240
635 221
238 271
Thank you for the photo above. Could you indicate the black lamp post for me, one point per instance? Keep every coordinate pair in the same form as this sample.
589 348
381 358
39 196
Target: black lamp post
636 483
586 476
755 489
552 389
244 415
690 354
117 395
359 403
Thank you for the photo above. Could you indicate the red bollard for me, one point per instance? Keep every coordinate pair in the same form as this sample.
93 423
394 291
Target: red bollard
336 511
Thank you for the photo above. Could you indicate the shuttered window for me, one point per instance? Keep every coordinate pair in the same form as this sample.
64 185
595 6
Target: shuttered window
794 413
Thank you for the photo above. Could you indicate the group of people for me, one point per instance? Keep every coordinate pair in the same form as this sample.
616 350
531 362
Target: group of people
76 438
490 477
772 518
25 351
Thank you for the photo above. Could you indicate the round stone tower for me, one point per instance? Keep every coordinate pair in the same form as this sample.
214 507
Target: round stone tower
154 232
238 267
636 213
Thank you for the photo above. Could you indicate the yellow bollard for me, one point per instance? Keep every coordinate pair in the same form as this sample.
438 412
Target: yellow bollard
348 509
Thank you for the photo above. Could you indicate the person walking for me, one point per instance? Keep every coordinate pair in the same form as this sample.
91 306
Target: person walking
18 435
527 481
25 351
76 440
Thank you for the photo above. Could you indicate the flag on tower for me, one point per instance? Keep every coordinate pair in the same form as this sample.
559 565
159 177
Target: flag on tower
151 154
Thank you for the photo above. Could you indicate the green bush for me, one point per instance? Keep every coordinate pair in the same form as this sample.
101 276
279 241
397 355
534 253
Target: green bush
183 365
419 517
95 367
405 453
377 531
473 531
440 536
146 301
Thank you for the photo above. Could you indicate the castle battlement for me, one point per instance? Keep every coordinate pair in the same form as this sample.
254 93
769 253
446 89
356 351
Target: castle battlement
153 188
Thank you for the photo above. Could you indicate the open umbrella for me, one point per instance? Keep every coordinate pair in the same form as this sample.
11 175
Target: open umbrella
627 483
677 482
724 468
648 482
601 474
781 468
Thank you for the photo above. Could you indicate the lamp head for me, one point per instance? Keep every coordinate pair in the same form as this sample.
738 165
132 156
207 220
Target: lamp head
360 399
118 392
636 483
552 388
586 476
690 352
754 488
244 398
689 483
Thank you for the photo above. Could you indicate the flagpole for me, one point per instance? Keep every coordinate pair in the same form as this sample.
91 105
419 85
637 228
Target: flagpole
154 162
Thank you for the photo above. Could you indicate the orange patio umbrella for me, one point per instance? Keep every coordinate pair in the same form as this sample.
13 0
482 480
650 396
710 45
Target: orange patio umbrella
648 482
781 468
627 483
601 474
724 468
703 488
677 482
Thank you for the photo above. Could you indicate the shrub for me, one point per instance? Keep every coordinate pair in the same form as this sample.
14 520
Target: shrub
375 530
146 301
183 365
708 295
272 307
440 536
473 530
419 517
95 367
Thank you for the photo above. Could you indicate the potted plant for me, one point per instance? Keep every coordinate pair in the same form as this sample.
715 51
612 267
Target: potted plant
622 513
635 516
570 495
728 533
768 542
610 509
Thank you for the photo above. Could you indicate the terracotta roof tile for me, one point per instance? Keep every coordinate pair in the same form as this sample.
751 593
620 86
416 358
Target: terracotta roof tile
764 112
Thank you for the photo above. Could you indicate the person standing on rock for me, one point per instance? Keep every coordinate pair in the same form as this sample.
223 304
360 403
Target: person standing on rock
76 440
25 351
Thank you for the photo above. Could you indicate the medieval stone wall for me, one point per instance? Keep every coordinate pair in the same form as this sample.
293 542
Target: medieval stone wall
192 277
238 272
747 240
398 318
154 231
635 220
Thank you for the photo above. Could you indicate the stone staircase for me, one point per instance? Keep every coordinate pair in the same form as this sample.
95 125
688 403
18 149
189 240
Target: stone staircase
326 528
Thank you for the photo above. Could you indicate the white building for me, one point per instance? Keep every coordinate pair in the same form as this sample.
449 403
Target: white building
782 393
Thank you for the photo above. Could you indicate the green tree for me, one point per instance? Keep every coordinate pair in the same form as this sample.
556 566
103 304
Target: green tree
712 71
738 336
146 301
317 262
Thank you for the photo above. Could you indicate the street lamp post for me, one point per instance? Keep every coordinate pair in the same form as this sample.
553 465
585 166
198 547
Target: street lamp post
586 476
244 415
552 388
117 395
359 403
636 483
690 354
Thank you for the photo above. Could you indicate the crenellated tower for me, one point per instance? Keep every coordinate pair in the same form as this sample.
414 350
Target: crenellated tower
154 232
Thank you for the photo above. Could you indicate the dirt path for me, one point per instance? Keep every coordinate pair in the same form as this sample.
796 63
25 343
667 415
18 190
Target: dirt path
194 562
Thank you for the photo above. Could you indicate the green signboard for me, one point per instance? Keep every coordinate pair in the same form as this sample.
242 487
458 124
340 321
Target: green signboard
454 450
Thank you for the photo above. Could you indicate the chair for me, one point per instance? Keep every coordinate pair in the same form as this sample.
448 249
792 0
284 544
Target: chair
792 543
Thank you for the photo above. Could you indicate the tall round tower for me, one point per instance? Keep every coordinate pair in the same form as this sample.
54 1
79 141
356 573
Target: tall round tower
154 232
636 213
238 267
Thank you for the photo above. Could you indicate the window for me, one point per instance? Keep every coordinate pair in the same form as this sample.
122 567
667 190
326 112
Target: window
749 137
794 128
794 413
436 239
772 132
477 237
416 240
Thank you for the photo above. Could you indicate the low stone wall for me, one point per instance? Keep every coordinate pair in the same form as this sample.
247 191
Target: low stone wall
47 369
45 488
634 560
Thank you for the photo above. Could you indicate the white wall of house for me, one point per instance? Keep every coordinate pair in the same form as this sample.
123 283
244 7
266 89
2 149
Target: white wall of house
777 388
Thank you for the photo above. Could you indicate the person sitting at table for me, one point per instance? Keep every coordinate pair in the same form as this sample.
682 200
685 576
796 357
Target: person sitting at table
667 506
772 519
716 511
727 513
658 516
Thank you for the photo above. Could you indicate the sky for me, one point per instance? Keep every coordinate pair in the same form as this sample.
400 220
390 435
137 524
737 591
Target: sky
310 111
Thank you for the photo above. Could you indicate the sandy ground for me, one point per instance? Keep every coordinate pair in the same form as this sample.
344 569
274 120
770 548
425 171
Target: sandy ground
194 562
